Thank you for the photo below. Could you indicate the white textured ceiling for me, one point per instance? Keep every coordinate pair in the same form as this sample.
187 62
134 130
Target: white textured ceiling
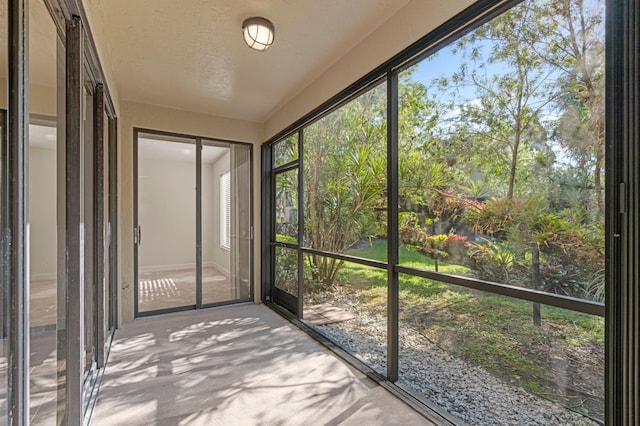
190 55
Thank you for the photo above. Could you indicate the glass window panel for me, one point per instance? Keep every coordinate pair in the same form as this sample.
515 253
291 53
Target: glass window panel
106 227
351 310
167 216
481 357
501 161
4 285
225 210
226 223
46 178
287 206
286 270
285 151
89 215
345 179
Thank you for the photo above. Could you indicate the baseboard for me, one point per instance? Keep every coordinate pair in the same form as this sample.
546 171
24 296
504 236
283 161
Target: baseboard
213 264
44 276
179 266
162 268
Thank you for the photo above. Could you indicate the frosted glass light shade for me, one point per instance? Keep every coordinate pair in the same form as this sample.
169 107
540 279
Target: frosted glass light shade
258 33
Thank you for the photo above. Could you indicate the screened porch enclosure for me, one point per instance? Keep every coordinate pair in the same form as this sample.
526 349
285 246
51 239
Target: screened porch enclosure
444 222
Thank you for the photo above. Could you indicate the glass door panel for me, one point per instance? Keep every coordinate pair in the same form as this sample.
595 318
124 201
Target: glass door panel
216 224
226 222
90 285
287 207
286 270
286 236
241 225
166 223
4 284
105 227
47 143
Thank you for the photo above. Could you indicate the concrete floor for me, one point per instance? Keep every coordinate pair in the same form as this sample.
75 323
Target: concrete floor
240 365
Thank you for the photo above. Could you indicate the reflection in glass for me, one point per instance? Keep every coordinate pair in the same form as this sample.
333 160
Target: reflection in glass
167 216
46 137
88 218
501 161
352 311
287 206
106 228
481 357
4 285
286 270
285 151
226 222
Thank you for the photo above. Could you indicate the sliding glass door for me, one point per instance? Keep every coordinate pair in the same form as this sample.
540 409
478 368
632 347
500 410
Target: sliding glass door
166 231
226 222
193 222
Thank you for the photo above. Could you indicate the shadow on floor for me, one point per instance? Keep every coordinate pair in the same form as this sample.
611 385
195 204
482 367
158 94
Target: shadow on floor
241 365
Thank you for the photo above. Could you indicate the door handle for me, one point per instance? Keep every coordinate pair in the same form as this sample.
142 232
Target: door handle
137 235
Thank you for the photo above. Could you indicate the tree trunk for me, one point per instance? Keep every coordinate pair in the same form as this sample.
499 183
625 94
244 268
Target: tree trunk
515 148
597 172
535 282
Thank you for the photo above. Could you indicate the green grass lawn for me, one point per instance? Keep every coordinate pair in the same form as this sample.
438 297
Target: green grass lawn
494 332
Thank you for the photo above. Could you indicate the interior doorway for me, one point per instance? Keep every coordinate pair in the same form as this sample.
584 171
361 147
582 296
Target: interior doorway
193 227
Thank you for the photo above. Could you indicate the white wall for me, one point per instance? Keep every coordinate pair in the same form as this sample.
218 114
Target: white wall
42 213
216 255
167 214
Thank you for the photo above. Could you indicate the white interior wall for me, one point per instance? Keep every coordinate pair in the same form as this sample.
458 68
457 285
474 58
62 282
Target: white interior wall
219 257
167 214
43 230
42 213
208 204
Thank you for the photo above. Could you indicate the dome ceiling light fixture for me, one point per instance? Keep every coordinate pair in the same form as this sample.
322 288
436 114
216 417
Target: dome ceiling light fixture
258 33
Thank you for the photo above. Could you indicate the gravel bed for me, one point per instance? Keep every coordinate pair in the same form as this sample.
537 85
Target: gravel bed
469 393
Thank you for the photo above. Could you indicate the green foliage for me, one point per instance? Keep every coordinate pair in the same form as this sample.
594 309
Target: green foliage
493 261
596 287
286 270
345 169
570 252
506 151
285 151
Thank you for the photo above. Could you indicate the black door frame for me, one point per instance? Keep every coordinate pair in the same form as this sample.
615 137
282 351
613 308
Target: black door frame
199 141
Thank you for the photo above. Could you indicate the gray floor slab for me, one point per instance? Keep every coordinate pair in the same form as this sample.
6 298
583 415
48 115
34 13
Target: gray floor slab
239 365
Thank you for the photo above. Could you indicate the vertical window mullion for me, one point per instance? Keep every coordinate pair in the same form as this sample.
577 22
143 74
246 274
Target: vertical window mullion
266 228
99 210
392 228
300 224
198 223
70 380
16 213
